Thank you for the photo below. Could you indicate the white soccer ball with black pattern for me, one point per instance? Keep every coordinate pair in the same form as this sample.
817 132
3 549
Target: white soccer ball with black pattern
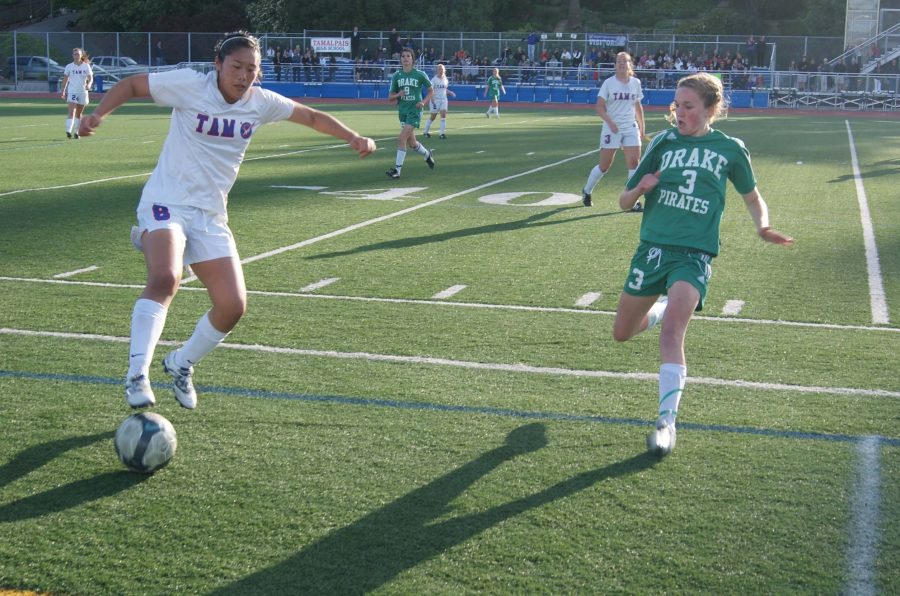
145 442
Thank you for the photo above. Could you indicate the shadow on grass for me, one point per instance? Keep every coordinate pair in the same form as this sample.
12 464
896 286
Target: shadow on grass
65 496
34 457
534 220
372 551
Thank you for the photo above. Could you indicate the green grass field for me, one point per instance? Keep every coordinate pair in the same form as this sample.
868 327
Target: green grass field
369 435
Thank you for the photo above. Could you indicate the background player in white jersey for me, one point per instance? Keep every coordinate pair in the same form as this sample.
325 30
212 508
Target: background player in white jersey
182 217
76 81
438 104
619 105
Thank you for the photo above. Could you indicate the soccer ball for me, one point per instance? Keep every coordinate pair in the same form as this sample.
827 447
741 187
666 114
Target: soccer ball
145 442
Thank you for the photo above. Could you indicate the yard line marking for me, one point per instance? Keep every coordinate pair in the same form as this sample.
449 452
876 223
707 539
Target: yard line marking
437 407
449 292
589 298
363 224
732 307
75 272
864 532
88 182
74 185
876 285
518 307
472 365
319 284
300 187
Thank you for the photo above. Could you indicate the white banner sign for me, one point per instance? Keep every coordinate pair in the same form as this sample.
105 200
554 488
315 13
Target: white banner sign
330 44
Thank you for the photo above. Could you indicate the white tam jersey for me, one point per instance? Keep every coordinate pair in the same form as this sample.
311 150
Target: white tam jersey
207 138
78 75
440 88
620 99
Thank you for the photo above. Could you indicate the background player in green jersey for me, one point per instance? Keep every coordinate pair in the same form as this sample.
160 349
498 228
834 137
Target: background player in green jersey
492 89
683 176
406 88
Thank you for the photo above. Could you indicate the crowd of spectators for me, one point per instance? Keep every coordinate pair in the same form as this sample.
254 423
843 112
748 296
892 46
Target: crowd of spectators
534 63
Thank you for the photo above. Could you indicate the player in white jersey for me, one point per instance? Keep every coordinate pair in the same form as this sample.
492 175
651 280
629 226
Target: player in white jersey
619 105
182 217
77 79
441 87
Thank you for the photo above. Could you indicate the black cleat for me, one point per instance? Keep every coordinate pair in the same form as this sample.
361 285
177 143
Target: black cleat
637 208
443 136
76 135
427 135
393 173
586 199
430 159
68 135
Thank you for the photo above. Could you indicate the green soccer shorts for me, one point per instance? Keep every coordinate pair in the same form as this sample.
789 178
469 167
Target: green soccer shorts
654 268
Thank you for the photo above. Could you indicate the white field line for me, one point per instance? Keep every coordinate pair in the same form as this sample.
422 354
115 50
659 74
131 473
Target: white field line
75 272
864 532
363 224
589 298
319 284
477 305
493 366
876 285
74 185
451 291
101 180
732 307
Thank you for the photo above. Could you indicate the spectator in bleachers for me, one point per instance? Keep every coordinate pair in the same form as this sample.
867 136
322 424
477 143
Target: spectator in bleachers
296 64
394 44
277 60
355 38
761 51
803 74
532 41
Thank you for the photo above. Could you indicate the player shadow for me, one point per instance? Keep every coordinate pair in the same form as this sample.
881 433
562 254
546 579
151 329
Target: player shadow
408 242
887 167
32 458
417 527
65 496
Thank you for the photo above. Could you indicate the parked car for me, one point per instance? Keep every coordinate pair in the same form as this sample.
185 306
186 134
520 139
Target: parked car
34 67
119 66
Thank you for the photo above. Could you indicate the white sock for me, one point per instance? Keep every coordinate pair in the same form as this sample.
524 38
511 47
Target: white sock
671 385
401 157
147 321
428 125
657 312
593 178
421 150
68 125
631 173
202 342
76 123
497 111
443 125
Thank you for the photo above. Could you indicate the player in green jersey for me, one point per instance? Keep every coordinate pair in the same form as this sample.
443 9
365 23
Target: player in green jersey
406 89
492 89
682 177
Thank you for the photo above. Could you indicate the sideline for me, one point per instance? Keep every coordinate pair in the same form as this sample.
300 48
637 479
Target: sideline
873 265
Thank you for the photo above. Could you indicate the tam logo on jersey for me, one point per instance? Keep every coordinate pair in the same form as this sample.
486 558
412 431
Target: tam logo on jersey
222 127
623 95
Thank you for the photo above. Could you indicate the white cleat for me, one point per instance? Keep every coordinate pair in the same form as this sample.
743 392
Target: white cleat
181 382
661 441
138 393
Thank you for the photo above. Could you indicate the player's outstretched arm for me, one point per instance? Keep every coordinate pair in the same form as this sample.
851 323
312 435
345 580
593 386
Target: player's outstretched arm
759 211
128 88
329 125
